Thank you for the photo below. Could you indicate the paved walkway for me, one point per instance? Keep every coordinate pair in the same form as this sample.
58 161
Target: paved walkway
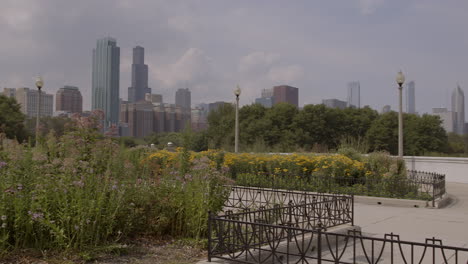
415 224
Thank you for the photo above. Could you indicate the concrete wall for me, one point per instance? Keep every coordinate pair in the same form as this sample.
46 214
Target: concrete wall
455 169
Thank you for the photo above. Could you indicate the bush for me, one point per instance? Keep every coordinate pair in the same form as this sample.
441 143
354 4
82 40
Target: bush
83 190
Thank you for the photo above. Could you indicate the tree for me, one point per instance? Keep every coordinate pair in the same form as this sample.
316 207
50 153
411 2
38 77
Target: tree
253 125
12 119
319 125
383 133
281 132
221 127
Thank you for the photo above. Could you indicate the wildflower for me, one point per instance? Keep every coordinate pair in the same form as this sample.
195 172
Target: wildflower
4 217
36 216
2 164
77 228
4 225
79 183
114 187
20 187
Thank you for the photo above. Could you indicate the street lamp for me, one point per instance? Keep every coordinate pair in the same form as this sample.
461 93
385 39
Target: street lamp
400 79
237 92
39 84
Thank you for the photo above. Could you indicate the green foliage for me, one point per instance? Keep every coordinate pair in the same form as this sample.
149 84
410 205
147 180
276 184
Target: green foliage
12 119
84 190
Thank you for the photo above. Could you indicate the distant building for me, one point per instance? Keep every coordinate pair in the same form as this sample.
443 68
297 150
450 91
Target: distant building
354 94
266 98
105 80
183 98
199 119
216 105
139 86
28 99
138 117
386 109
448 118
154 98
458 107
334 103
410 98
286 94
69 100
266 102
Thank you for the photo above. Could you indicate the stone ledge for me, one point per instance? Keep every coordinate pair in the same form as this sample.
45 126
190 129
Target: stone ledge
372 200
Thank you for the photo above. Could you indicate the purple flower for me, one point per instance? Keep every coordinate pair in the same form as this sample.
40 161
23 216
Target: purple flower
79 183
114 187
2 164
35 216
20 187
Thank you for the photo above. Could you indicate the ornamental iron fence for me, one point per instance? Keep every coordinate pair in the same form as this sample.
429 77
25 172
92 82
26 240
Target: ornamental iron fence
416 185
260 242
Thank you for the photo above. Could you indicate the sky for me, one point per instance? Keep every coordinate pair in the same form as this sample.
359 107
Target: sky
210 46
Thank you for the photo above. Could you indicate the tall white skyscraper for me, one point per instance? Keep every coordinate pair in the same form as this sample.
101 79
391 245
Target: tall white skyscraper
106 72
410 98
354 94
458 107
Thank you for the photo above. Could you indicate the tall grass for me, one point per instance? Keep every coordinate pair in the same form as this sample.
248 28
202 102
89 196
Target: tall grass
83 190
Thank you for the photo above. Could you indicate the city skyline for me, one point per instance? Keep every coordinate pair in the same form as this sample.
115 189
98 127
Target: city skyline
358 44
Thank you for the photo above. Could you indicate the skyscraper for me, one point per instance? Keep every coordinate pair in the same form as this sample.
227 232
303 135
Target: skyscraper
183 101
410 98
448 118
458 107
334 103
354 94
69 99
182 98
286 94
139 76
28 99
105 86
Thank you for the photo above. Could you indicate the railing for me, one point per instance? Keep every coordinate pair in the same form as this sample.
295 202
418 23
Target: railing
259 242
416 185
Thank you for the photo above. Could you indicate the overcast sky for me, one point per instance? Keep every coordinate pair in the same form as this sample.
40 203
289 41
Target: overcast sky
210 46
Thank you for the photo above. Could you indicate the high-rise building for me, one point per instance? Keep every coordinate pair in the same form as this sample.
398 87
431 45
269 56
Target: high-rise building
448 118
154 98
68 99
106 74
354 94
138 117
286 94
183 102
334 103
28 99
458 107
182 98
386 109
267 99
410 98
139 76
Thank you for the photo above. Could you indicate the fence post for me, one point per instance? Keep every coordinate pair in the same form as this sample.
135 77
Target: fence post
319 246
433 189
209 236
352 208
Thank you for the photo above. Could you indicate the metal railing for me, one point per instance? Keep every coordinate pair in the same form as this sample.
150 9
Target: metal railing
416 185
259 242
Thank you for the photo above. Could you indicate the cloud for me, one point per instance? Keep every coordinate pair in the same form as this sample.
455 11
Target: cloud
368 7
286 74
257 62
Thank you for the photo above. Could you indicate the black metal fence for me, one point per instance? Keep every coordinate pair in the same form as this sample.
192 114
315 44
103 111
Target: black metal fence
259 242
416 185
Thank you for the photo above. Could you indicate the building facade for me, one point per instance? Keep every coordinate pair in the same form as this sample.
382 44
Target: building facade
458 107
354 94
267 99
334 103
411 98
105 79
448 118
286 94
28 99
139 76
68 99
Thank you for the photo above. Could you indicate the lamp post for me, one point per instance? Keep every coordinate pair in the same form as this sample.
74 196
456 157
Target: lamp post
39 84
400 79
237 92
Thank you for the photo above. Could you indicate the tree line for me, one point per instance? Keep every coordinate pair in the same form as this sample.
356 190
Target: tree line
281 128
